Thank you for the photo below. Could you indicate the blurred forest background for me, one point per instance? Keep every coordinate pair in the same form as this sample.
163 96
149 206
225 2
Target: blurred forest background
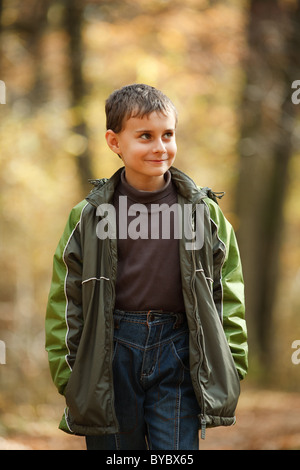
229 67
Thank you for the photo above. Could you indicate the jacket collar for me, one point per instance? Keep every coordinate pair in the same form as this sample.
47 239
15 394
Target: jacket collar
186 186
104 188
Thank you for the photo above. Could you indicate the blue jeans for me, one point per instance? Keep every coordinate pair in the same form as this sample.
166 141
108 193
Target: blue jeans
154 398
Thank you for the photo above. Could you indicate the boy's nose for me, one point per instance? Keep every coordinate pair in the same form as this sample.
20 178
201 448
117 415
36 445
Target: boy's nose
159 147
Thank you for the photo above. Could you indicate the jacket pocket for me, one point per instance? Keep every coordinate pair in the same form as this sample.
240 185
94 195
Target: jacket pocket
217 374
209 281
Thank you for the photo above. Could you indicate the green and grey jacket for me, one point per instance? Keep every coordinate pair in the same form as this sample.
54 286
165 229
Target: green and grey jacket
79 319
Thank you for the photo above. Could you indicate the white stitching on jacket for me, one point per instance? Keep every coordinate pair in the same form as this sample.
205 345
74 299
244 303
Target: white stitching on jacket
95 279
201 270
65 286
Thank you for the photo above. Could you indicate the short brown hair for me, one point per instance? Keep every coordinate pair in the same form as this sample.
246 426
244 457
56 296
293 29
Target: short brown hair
135 100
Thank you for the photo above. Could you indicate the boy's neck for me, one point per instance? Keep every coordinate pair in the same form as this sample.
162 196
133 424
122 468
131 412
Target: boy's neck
142 196
146 184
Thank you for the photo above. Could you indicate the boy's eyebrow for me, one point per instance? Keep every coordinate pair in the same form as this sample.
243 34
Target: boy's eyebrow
172 129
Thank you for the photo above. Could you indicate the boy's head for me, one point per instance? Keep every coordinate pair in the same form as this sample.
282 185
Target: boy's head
135 100
141 124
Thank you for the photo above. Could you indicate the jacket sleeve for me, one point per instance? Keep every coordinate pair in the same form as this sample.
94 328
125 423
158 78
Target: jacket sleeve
64 313
229 288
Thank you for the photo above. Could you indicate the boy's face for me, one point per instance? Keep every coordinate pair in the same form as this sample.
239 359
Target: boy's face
147 147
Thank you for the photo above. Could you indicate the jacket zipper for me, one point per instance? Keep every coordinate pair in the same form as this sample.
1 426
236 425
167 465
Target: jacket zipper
202 415
112 282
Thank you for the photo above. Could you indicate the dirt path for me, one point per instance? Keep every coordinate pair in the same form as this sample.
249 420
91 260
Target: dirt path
265 421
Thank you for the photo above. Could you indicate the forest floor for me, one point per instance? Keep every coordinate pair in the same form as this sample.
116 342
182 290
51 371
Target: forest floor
266 420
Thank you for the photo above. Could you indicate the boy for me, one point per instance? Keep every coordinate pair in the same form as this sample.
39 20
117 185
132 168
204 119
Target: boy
145 327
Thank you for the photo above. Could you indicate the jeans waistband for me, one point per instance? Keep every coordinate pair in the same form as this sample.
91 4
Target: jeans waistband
149 316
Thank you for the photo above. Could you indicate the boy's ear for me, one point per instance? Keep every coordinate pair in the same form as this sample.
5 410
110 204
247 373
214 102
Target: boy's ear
112 141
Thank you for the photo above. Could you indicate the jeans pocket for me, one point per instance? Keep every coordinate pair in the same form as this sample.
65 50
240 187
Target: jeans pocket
180 349
115 350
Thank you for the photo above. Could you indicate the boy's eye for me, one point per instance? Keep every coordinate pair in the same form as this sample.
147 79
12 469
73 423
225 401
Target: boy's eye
169 135
148 136
145 136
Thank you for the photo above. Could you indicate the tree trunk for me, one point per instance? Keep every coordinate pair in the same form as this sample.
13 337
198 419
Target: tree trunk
267 117
73 22
29 27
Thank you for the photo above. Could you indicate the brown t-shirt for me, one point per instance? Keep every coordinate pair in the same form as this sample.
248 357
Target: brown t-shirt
148 275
